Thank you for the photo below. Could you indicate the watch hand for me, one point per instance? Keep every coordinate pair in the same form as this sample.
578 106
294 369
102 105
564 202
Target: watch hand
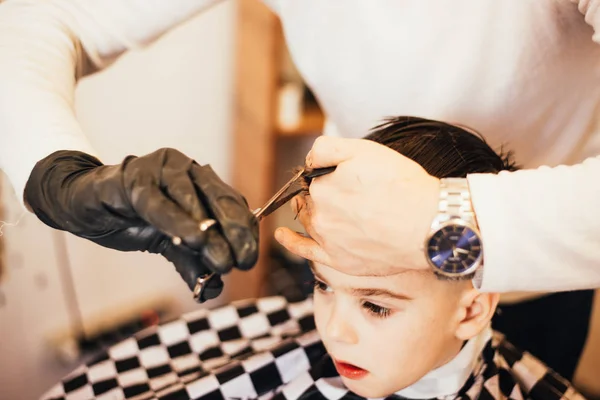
463 251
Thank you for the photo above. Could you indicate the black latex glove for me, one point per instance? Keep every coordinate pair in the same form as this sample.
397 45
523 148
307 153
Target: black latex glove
142 203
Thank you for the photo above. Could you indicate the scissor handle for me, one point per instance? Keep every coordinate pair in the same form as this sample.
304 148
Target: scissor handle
316 172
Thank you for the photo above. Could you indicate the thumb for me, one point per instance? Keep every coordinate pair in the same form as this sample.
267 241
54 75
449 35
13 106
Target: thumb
328 151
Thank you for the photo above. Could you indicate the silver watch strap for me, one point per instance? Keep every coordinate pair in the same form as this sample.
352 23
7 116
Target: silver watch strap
455 200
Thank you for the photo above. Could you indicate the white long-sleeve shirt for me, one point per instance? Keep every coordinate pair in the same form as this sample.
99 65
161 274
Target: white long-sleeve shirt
525 73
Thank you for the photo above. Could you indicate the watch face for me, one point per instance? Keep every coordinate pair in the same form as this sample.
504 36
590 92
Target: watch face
454 249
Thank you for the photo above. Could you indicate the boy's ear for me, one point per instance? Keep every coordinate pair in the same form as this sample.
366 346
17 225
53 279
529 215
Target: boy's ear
477 310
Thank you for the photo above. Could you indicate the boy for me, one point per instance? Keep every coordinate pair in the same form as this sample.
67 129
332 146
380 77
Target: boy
409 335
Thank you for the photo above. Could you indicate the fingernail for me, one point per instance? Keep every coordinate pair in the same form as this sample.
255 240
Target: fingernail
309 161
279 234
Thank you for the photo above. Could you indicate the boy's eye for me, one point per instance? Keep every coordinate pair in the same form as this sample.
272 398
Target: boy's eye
378 311
321 286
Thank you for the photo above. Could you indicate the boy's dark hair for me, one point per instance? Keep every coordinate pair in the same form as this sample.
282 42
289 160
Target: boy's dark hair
443 150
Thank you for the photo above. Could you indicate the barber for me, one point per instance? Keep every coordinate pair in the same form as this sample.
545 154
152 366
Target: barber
523 73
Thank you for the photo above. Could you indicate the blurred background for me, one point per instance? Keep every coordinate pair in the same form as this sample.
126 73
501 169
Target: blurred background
222 89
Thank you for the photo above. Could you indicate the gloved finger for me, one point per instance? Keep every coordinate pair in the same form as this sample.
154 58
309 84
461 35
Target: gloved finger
237 223
179 187
212 288
182 190
190 267
187 263
212 245
216 253
150 203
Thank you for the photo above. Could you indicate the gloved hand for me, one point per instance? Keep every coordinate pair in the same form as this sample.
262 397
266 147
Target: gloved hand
144 202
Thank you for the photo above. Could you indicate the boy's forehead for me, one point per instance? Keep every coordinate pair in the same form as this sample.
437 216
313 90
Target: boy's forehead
408 279
410 285
318 267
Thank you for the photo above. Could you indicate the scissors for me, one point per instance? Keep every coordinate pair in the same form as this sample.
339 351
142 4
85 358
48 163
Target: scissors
283 195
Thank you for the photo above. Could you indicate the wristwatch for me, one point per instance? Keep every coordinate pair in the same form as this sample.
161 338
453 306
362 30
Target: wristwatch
453 245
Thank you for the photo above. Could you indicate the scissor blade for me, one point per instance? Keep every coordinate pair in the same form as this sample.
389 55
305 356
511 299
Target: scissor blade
276 205
288 191
272 204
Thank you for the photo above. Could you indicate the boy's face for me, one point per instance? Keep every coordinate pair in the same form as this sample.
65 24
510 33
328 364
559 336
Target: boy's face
384 333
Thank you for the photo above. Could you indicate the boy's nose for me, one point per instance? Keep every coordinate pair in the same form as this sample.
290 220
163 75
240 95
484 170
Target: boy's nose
339 326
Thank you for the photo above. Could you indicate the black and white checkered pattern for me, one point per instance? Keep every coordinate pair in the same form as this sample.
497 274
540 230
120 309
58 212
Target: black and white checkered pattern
268 349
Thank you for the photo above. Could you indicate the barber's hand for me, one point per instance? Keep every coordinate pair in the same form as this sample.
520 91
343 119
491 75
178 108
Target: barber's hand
371 215
142 204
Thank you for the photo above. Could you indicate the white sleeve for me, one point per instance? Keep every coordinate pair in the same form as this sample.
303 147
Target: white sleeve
540 228
45 46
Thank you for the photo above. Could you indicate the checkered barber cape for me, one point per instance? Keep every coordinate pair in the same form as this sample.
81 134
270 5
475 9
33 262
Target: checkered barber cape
269 349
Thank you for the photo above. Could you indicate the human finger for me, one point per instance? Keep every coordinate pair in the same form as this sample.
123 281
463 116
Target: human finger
329 151
301 246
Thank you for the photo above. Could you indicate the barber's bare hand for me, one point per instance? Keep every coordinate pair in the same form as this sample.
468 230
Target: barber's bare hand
372 214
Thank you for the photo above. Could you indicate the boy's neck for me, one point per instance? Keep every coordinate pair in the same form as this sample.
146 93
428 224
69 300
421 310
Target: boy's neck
450 377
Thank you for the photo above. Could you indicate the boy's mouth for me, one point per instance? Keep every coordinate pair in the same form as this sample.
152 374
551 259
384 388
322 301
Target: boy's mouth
348 370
